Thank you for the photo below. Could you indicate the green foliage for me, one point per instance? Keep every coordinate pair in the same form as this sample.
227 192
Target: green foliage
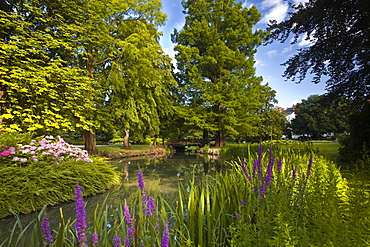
271 124
38 90
316 207
338 31
29 188
359 135
219 91
8 140
122 53
317 116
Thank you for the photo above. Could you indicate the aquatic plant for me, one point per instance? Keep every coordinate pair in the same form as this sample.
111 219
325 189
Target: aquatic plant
301 200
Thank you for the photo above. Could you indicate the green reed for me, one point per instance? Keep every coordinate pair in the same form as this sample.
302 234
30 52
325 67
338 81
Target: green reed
288 197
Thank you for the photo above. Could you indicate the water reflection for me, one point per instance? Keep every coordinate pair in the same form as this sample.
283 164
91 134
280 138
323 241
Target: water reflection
159 174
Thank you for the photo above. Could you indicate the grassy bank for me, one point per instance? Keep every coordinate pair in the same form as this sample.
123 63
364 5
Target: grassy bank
279 197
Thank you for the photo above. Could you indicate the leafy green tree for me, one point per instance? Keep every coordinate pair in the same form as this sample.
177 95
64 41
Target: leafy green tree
339 51
316 116
215 59
272 124
123 55
38 87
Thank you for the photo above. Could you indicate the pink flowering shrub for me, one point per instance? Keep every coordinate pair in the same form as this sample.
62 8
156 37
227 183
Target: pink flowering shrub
48 148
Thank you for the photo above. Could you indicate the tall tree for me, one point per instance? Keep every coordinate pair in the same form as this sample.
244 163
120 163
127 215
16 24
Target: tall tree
317 116
339 35
38 88
138 85
216 67
123 55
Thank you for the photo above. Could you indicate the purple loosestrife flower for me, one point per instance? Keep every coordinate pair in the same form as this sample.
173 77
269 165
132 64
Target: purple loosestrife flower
262 192
255 165
117 241
271 157
309 168
127 215
268 176
237 216
45 229
294 174
130 230
279 165
260 153
140 182
246 172
151 206
129 236
80 217
166 236
94 239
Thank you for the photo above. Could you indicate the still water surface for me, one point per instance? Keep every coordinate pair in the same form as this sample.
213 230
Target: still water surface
162 173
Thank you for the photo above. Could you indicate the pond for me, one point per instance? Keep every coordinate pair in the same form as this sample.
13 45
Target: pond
163 173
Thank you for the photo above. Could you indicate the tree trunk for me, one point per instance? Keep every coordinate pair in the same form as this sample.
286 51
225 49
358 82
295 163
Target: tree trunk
126 143
205 136
220 139
155 141
90 142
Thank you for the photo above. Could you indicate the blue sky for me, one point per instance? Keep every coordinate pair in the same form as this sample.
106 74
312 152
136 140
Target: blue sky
268 58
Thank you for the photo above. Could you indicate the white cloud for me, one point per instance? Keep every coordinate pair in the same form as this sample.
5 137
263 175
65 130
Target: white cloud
260 63
271 53
171 53
247 5
300 1
287 49
277 10
306 42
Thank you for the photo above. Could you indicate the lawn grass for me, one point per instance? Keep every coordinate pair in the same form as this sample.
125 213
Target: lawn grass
119 148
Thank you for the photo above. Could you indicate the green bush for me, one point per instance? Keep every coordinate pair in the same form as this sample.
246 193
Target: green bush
44 171
28 188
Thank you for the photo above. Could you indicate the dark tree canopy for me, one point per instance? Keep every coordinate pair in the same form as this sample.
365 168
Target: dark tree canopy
317 116
339 34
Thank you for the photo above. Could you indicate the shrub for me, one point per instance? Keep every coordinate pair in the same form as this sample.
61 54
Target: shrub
42 172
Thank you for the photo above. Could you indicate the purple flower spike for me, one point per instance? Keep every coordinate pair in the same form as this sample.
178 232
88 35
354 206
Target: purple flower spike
237 216
294 174
309 168
260 153
246 172
45 228
262 192
130 230
279 165
140 182
117 241
243 202
94 239
166 236
80 217
127 215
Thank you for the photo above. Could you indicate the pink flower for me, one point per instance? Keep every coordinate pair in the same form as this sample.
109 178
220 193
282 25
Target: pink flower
5 153
23 160
12 150
15 159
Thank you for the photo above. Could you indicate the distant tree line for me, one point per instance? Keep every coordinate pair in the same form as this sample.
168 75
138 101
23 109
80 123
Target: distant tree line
97 67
